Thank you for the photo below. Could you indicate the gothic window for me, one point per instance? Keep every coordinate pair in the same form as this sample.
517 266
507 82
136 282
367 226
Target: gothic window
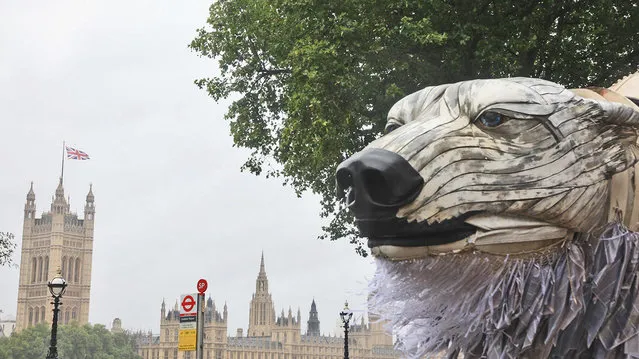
175 352
74 313
39 269
70 270
30 316
64 266
187 355
66 317
77 270
42 311
37 316
34 268
166 354
46 268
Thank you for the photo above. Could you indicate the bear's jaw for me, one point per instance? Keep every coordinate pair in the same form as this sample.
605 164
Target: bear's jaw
499 234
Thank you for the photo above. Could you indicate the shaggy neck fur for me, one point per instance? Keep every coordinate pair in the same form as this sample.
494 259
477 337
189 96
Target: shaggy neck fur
577 302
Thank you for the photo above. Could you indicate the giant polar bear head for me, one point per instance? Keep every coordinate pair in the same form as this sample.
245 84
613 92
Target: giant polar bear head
486 204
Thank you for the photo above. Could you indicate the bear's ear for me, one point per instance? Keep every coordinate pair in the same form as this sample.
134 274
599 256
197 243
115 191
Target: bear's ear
621 114
618 109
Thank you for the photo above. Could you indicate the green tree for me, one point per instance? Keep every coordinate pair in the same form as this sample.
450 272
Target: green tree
74 342
313 79
7 247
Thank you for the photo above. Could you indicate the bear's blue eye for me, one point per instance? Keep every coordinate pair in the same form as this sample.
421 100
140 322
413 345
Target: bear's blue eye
491 119
391 127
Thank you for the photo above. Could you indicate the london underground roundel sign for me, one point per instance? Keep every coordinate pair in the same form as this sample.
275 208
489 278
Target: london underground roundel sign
188 303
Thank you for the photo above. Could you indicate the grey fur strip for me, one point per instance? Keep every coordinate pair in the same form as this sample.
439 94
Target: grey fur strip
583 296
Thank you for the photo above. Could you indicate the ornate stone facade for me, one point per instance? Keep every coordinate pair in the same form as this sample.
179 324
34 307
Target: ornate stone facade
269 336
56 240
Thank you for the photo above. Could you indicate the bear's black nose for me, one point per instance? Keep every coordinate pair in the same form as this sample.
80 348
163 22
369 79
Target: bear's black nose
377 182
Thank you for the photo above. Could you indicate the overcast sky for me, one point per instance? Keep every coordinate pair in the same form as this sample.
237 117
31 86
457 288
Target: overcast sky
115 79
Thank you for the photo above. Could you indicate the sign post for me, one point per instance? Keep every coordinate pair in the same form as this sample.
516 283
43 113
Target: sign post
188 323
202 285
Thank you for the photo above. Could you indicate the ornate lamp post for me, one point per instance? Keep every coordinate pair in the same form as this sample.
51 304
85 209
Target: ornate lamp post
346 316
56 286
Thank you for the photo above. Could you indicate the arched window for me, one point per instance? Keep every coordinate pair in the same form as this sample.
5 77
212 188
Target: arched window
46 268
42 314
37 316
40 269
69 276
66 317
64 266
34 269
74 313
77 270
30 316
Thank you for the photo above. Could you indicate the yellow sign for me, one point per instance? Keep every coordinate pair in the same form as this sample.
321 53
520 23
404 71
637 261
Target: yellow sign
187 339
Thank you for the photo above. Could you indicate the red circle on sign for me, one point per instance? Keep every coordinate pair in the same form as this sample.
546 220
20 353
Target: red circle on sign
188 303
202 285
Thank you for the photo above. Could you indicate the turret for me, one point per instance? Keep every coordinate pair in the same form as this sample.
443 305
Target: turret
29 207
163 312
225 313
60 204
89 207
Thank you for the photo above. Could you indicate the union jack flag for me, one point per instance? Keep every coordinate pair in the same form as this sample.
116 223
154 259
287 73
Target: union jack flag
76 154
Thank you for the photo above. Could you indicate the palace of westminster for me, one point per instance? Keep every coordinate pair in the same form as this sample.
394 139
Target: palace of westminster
61 241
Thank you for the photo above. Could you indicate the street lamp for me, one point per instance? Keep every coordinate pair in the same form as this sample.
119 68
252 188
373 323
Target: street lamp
57 285
346 316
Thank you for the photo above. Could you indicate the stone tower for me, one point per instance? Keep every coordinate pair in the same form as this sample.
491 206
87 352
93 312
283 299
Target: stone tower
58 240
261 311
313 323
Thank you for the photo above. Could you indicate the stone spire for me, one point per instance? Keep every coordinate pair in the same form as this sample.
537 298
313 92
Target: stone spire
29 207
313 323
31 194
261 284
89 207
59 192
261 313
90 196
59 205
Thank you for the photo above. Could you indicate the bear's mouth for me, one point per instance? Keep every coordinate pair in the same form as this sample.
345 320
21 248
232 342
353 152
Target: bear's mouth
399 232
502 234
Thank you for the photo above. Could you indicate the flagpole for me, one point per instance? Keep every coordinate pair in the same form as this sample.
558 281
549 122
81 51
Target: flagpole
62 174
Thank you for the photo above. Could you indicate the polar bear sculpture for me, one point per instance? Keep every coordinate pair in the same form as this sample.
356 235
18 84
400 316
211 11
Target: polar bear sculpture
502 215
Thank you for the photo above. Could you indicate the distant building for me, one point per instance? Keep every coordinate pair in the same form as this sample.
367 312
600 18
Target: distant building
116 327
56 240
268 336
7 325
